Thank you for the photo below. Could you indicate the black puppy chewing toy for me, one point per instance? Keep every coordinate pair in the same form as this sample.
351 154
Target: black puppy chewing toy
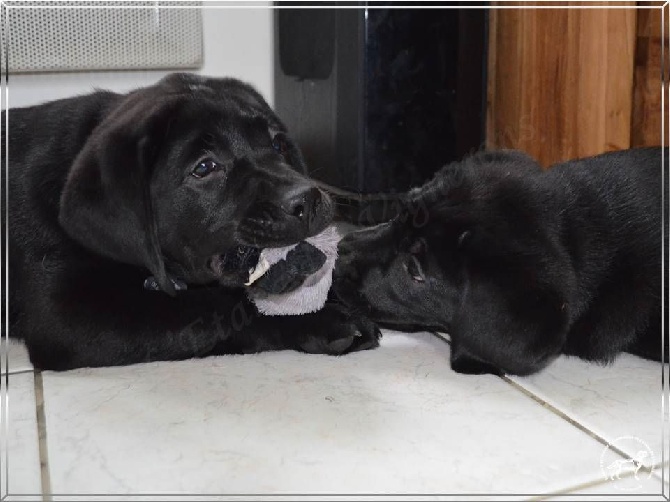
291 280
296 279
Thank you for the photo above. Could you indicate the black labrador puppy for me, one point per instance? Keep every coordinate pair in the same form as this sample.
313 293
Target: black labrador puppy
518 264
113 195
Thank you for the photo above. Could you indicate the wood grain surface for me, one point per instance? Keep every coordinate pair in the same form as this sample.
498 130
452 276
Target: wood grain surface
646 118
560 81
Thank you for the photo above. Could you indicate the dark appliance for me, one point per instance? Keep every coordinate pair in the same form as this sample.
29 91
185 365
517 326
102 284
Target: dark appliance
379 98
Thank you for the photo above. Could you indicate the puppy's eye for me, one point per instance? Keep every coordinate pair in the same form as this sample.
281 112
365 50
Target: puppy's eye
414 269
204 168
280 144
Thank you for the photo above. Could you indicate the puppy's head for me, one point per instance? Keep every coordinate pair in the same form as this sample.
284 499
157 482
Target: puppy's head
472 253
180 175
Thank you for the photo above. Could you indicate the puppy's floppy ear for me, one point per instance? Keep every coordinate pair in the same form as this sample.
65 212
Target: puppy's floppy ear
464 362
513 315
106 202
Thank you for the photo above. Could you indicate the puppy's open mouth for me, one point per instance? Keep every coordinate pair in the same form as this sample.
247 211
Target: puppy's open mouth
236 263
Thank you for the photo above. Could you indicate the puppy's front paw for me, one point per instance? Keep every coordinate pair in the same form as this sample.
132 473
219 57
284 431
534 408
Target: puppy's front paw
336 332
151 284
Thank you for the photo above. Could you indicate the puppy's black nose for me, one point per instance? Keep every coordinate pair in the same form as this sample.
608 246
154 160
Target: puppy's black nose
302 203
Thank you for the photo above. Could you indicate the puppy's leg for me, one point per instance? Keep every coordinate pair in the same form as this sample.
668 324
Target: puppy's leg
615 322
88 320
332 330
648 344
100 327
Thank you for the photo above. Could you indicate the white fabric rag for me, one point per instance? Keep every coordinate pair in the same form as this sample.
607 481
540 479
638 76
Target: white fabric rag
312 295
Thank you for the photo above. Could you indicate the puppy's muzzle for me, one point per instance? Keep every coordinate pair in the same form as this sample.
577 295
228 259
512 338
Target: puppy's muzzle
304 203
298 213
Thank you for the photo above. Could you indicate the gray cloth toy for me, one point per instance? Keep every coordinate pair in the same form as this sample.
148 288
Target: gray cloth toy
296 279
292 280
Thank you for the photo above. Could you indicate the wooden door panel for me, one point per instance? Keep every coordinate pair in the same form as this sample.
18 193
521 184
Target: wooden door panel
561 80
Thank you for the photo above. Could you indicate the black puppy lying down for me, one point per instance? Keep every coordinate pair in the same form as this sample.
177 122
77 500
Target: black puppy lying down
519 265
174 181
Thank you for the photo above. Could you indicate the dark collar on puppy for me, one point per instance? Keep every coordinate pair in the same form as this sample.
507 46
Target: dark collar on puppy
151 284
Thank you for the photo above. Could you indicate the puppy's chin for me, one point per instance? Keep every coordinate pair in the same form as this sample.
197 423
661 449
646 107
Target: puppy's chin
231 269
217 270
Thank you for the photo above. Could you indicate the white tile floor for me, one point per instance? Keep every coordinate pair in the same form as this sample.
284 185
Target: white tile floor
392 421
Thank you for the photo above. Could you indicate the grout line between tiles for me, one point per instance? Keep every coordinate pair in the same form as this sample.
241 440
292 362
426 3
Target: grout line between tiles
575 423
19 372
45 477
443 336
563 415
570 491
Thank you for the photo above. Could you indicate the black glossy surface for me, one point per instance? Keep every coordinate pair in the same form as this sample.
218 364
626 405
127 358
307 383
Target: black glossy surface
410 90
405 93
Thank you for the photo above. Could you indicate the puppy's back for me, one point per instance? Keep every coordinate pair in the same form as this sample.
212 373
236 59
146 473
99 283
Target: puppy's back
611 209
615 196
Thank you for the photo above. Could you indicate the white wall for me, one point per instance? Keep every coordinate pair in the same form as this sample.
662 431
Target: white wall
237 43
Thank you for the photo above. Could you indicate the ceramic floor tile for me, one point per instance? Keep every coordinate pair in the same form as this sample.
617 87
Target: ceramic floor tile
393 420
642 487
17 356
663 472
22 459
620 402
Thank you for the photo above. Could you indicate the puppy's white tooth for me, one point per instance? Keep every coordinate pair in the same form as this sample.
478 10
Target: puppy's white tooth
259 270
